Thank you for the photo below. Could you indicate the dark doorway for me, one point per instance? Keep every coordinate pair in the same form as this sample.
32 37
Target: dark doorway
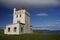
21 29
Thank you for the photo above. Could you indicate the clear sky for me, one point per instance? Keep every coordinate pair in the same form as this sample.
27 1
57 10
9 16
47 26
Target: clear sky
45 14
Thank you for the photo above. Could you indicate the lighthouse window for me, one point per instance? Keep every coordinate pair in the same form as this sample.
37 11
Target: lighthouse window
20 15
17 16
9 29
18 21
15 29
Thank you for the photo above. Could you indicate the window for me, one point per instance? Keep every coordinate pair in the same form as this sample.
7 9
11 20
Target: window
15 29
9 29
20 15
18 21
17 16
21 29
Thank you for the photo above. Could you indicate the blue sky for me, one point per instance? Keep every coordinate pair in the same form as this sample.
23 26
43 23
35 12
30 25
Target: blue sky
45 14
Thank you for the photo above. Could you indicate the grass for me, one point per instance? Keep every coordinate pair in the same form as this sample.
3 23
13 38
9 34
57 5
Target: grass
33 36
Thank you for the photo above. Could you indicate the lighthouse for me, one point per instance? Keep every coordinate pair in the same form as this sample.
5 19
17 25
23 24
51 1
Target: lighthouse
21 22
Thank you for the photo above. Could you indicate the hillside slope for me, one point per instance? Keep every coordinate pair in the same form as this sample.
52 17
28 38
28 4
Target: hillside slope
32 36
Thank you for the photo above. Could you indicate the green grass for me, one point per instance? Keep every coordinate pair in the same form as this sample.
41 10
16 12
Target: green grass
33 36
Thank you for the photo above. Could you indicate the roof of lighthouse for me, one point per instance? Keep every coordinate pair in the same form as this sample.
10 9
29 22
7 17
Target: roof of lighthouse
23 8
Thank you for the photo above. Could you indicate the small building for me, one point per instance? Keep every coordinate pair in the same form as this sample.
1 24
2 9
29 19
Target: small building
21 23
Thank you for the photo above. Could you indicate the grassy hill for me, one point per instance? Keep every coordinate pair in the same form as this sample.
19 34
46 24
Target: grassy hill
1 31
33 36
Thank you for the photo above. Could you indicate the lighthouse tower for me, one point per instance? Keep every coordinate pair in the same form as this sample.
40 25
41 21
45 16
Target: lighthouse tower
21 22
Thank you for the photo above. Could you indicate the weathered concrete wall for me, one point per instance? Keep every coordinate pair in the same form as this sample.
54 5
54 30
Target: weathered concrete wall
12 29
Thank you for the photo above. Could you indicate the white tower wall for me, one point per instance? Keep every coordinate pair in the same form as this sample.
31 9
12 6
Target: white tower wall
19 13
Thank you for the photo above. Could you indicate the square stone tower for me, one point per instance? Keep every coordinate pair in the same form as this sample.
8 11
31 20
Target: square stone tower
21 23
